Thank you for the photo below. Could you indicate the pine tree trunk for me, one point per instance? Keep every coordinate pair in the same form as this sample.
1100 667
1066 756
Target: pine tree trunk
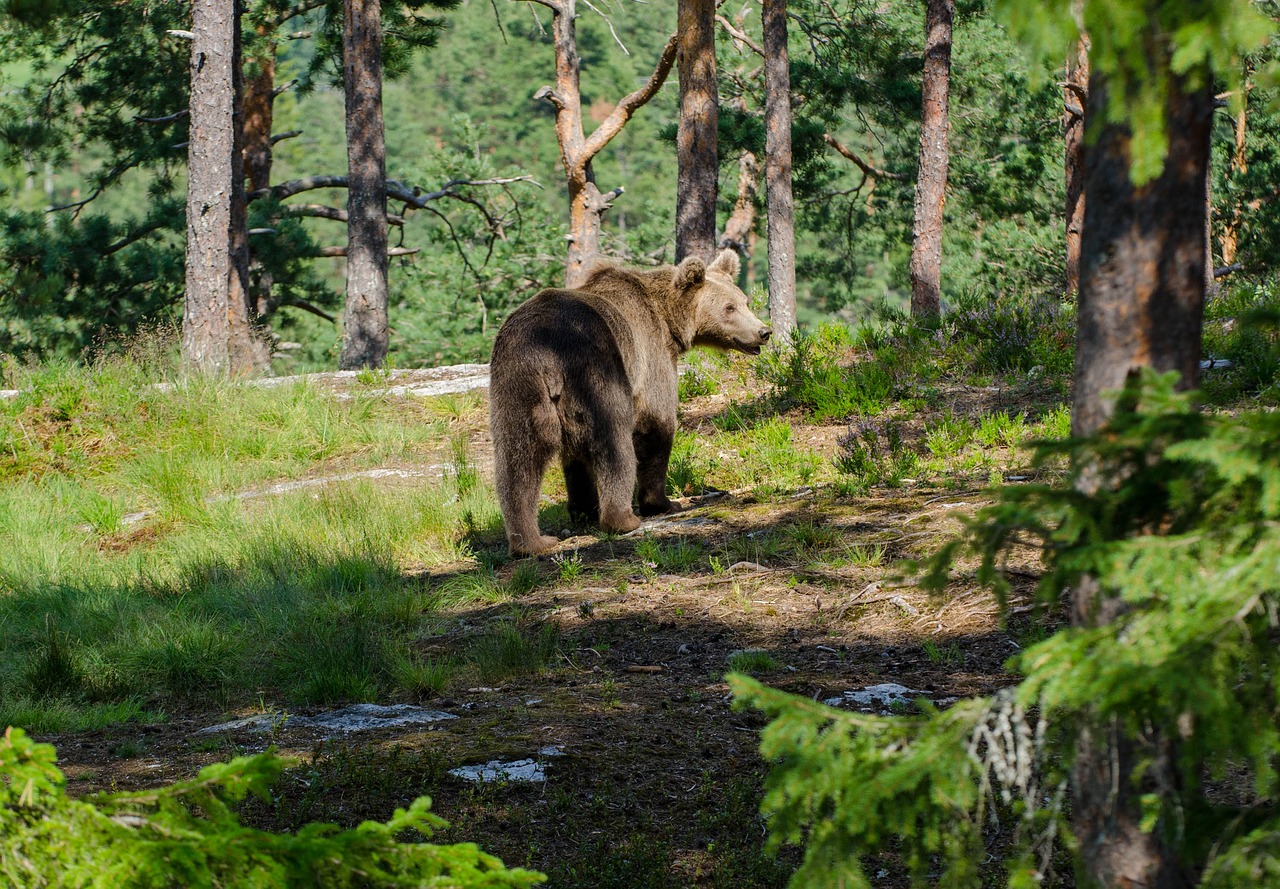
1074 93
1142 283
364 327
216 334
259 109
931 182
696 151
587 205
1239 166
779 206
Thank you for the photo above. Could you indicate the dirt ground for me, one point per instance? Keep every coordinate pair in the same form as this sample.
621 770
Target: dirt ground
658 779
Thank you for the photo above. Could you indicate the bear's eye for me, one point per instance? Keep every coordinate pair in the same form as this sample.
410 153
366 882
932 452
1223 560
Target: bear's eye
729 308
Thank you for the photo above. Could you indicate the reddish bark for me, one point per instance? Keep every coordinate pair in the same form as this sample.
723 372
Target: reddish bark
931 183
779 205
696 150
1075 93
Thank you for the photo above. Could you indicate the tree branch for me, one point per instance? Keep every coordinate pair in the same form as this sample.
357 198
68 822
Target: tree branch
859 162
294 12
618 118
740 36
322 211
342 251
413 196
312 308
168 118
289 134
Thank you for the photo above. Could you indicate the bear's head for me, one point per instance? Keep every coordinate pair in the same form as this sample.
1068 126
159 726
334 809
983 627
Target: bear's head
722 317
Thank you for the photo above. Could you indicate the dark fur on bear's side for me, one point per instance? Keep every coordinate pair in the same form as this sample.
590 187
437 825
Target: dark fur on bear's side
590 374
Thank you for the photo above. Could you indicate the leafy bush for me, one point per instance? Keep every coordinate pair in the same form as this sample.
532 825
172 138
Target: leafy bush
189 834
874 452
1188 541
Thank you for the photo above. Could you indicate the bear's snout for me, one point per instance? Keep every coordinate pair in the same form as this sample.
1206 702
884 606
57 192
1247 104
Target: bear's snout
764 334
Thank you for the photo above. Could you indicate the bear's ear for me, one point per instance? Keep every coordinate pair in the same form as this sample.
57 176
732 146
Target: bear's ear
690 273
727 263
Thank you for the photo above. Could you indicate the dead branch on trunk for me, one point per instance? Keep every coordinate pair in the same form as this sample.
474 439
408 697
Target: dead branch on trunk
322 211
849 154
586 203
743 218
740 36
310 307
325 252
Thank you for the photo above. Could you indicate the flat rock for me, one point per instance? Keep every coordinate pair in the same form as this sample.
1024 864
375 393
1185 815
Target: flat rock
884 695
356 718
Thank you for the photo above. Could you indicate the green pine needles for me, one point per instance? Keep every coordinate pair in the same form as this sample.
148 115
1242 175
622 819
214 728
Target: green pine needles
1138 46
188 834
1186 535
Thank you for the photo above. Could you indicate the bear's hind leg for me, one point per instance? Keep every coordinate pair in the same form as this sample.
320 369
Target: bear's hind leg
653 453
520 458
615 470
584 502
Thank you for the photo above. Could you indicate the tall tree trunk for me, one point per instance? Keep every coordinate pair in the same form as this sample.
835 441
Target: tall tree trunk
935 155
259 108
1142 283
364 327
216 334
1075 94
587 204
779 206
696 151
1239 166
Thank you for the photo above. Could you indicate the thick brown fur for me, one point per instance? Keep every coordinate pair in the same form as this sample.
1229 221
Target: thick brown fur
590 374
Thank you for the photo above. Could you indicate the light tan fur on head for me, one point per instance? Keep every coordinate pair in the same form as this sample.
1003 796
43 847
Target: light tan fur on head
723 317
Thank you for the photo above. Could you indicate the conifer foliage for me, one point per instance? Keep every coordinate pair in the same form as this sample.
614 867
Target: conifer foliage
188 834
1189 543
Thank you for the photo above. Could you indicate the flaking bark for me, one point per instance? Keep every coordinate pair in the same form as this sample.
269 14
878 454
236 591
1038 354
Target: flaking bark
1075 93
931 182
696 150
365 323
779 204
217 337
1142 284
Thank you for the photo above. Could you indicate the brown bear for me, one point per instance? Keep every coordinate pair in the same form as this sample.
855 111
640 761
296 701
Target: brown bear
590 374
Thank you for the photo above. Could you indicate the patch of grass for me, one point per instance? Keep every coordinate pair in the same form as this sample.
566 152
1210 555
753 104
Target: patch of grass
809 373
753 660
669 556
526 578
944 655
57 715
635 862
813 535
687 471
696 382
422 677
756 546
511 649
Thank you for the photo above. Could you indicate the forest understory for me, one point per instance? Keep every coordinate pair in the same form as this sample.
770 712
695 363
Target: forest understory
603 663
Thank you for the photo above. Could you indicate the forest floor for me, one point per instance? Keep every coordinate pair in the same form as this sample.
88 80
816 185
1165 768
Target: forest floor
602 663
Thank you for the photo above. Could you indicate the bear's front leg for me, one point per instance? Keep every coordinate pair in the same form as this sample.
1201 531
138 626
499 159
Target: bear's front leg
653 453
